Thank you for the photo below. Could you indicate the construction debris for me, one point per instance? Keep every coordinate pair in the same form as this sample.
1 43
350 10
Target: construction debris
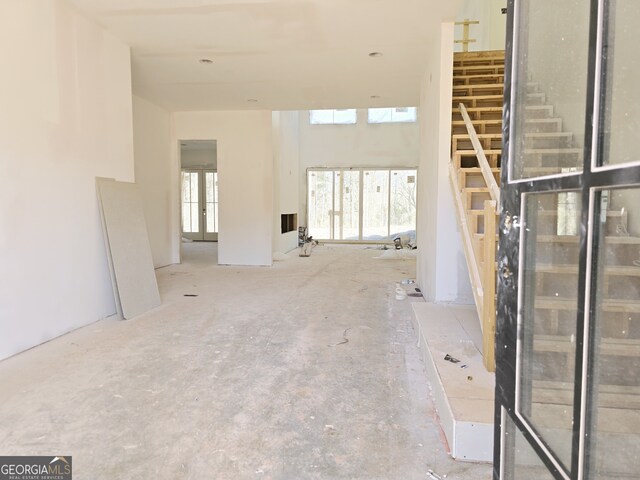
344 336
451 359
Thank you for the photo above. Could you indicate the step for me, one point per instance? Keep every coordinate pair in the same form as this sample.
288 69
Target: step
614 270
474 197
473 90
609 396
538 111
536 99
485 61
473 177
489 141
619 347
552 157
468 158
574 239
546 140
543 125
482 127
478 113
479 101
478 79
549 218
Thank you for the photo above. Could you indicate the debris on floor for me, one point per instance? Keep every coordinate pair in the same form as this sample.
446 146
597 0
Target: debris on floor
451 359
397 242
400 293
408 281
418 290
344 336
433 475
190 295
415 294
307 247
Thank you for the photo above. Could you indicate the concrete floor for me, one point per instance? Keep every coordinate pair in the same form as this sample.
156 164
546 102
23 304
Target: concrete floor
240 382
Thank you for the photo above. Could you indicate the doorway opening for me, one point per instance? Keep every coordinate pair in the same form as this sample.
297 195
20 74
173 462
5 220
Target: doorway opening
199 190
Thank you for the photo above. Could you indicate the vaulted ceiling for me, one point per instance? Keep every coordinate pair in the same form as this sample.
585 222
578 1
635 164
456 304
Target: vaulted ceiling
274 54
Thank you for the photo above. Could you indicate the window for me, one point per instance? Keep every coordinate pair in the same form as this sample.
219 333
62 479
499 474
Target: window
393 115
375 204
332 117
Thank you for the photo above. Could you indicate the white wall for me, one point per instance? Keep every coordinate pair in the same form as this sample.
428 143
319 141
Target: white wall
359 145
245 173
286 166
65 92
490 34
442 272
154 176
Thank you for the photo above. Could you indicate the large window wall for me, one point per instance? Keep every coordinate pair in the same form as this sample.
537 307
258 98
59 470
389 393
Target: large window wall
361 204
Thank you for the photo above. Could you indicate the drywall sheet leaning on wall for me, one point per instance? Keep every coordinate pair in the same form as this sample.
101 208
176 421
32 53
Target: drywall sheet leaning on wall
134 280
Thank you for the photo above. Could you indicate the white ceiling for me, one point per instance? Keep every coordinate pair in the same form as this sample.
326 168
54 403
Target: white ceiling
286 54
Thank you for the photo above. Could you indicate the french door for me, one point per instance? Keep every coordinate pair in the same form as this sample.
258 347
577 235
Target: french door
568 323
200 204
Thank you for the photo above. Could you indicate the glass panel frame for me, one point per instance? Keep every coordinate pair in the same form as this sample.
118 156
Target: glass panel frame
591 179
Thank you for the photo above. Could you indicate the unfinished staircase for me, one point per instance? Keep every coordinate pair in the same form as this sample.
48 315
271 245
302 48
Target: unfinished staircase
549 343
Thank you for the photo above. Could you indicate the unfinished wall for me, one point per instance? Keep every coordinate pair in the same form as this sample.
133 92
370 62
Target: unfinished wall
154 176
441 266
245 179
65 119
490 34
359 145
286 166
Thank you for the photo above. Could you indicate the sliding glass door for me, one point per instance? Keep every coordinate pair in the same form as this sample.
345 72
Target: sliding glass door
375 204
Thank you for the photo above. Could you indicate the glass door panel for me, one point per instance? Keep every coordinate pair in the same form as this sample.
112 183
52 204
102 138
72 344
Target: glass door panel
621 64
615 384
553 46
568 323
350 205
191 205
375 221
403 203
320 204
549 286
211 203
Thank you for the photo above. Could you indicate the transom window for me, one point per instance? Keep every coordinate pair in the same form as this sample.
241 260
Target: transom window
333 117
393 115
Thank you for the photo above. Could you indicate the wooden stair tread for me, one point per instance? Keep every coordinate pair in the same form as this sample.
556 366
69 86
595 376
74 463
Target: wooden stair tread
495 121
478 109
476 169
625 397
623 270
543 302
479 135
477 97
548 134
622 347
545 151
610 239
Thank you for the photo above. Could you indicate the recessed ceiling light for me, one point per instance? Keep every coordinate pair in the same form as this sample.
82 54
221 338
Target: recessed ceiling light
206 61
375 54
252 100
